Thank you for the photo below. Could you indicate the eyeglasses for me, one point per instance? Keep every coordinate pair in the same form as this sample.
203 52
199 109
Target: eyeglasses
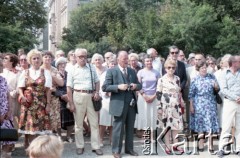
211 63
23 59
107 57
36 58
174 53
173 68
82 57
72 54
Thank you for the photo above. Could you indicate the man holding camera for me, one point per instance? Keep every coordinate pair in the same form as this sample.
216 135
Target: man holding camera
122 82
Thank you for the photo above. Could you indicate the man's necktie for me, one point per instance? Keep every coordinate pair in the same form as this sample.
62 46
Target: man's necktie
125 74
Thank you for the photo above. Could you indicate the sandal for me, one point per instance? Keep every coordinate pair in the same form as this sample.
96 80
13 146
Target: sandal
178 149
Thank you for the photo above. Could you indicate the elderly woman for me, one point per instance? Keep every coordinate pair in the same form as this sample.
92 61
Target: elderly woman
203 103
71 60
133 61
67 119
97 61
34 118
169 95
212 67
147 101
11 75
23 64
57 80
5 112
105 119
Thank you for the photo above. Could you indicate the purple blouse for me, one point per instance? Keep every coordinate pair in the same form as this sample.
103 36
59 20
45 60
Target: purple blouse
148 79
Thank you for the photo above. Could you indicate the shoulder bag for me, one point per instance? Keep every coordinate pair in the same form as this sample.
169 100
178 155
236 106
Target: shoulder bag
97 104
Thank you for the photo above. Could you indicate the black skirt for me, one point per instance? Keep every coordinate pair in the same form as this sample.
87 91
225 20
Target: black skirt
67 118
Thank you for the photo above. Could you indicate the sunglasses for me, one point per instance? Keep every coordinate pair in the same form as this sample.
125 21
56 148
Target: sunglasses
173 68
23 59
174 53
82 57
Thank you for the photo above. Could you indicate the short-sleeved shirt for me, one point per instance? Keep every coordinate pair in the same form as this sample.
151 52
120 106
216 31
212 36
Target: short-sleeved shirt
149 79
80 78
34 74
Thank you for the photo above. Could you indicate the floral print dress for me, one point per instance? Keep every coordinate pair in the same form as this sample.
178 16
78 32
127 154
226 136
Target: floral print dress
170 103
205 116
6 124
34 119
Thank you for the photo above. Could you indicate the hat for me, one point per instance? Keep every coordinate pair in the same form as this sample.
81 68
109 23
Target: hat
191 55
60 60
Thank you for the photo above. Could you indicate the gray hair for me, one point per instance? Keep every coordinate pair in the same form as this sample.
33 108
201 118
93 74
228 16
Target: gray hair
97 56
226 57
133 55
81 50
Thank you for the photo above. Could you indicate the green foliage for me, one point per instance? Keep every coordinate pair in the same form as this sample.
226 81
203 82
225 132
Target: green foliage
228 40
13 38
20 21
223 7
111 25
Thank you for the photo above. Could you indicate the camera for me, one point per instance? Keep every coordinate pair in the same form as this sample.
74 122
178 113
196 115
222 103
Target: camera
132 103
129 87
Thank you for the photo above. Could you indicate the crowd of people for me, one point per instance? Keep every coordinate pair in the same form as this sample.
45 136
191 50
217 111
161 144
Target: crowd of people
43 93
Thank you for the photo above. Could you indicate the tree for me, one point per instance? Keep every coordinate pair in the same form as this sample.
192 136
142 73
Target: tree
223 7
91 22
228 40
21 20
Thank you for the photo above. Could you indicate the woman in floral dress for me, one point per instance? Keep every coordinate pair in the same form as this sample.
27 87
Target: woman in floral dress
5 113
203 104
34 120
57 80
169 94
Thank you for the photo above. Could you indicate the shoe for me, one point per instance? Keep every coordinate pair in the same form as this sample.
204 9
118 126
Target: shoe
116 155
133 153
80 151
178 149
98 151
220 153
168 151
69 139
87 134
201 149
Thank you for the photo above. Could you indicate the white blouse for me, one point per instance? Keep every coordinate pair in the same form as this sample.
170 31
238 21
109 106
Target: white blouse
34 74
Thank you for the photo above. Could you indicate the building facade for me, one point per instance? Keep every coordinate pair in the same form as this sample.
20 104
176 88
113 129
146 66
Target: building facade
58 18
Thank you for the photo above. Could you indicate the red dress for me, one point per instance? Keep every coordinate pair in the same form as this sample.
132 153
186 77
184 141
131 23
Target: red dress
34 120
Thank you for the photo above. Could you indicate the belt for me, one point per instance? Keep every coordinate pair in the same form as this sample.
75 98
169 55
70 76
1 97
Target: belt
83 91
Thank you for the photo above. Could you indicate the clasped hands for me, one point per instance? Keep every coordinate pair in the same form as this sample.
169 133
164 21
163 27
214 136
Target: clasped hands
124 87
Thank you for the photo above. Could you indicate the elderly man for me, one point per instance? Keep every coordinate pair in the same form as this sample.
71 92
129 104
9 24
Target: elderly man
156 61
107 57
80 93
230 90
122 82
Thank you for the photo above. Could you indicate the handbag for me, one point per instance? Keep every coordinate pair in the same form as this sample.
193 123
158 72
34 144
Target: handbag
218 98
8 134
97 104
29 96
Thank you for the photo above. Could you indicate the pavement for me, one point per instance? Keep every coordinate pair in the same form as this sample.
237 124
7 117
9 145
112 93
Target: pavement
70 150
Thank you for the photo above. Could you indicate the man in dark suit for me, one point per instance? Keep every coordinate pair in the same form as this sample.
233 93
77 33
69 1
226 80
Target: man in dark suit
122 82
180 69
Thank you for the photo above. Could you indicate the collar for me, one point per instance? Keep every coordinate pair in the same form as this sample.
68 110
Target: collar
78 66
121 68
